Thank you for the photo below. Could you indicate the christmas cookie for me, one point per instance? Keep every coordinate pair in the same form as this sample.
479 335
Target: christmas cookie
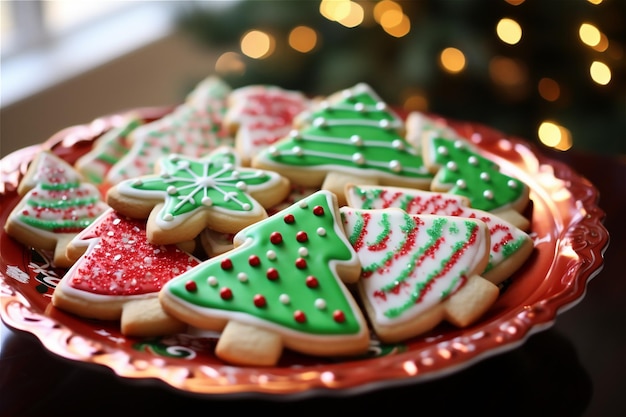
460 169
419 124
510 246
419 270
189 195
119 276
353 136
56 204
259 115
193 129
281 287
107 150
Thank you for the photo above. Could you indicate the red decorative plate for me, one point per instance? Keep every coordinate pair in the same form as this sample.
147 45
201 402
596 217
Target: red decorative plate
569 241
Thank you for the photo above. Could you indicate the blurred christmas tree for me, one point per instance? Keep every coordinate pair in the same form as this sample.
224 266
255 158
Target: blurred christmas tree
549 70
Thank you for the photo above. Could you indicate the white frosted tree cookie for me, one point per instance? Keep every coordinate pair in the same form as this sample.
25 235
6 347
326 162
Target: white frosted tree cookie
259 115
189 195
56 204
281 287
419 270
461 169
107 150
119 275
193 128
353 136
510 246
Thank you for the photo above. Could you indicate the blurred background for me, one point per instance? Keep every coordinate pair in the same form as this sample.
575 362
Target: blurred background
551 71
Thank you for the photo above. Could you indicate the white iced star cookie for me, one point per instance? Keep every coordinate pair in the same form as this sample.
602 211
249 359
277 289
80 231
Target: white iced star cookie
189 195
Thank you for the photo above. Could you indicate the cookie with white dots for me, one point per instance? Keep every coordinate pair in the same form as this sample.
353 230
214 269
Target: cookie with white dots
352 136
282 286
188 195
461 169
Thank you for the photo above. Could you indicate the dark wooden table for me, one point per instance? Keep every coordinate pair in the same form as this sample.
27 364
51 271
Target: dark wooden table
575 368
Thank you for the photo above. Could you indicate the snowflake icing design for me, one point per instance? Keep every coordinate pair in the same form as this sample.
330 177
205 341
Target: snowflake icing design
216 182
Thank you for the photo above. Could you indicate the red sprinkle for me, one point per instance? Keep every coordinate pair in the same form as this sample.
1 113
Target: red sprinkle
272 274
312 282
259 300
301 236
299 316
300 263
276 238
318 210
339 316
289 218
227 264
191 286
254 260
226 293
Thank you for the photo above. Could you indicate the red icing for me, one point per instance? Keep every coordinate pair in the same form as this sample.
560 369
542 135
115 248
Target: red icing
191 286
299 316
339 316
289 218
301 237
254 260
226 293
259 301
318 210
121 261
300 263
272 274
227 264
312 282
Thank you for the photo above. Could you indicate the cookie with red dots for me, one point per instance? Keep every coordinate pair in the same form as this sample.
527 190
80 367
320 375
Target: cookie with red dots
119 276
282 286
56 204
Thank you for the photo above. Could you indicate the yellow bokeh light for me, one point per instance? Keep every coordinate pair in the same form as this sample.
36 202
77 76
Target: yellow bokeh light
335 10
509 31
303 39
354 17
416 101
507 72
595 2
385 6
257 44
515 2
603 45
401 29
554 135
600 73
391 18
230 63
589 34
452 60
549 89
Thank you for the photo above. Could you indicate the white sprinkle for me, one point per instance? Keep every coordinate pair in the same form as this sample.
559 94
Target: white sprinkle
384 123
512 184
284 298
117 221
488 194
358 158
356 140
297 150
451 165
172 190
321 231
320 304
147 260
242 277
273 151
271 255
117 257
304 204
241 186
395 166
459 144
381 105
246 206
207 201
294 134
137 183
442 150
302 251
484 176
398 144
472 160
168 217
359 107
319 122
212 281
461 184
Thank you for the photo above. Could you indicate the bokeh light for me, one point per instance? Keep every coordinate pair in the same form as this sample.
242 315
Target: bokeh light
589 34
549 89
257 44
509 31
452 60
303 39
600 73
554 135
230 63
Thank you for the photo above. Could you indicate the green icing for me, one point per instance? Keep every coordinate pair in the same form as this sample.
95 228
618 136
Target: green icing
462 168
323 249
382 148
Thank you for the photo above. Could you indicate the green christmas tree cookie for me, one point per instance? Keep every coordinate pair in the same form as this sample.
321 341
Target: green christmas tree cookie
281 286
55 206
462 170
353 136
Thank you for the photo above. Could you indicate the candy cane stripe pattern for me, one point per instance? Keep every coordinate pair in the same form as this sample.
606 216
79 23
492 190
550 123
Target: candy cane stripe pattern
419 270
352 134
192 194
283 283
510 246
